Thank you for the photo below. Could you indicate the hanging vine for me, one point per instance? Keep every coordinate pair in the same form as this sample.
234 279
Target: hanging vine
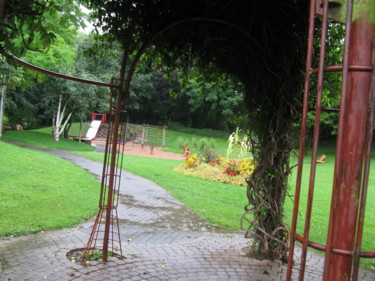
261 43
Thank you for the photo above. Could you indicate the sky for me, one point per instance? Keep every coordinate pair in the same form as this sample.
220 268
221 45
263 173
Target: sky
89 27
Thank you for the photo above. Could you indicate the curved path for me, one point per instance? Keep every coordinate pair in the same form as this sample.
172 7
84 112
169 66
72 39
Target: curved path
163 240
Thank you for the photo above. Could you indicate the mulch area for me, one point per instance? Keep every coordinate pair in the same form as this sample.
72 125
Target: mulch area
145 151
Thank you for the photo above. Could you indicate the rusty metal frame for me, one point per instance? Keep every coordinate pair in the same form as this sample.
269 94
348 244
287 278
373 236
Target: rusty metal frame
105 234
55 74
342 257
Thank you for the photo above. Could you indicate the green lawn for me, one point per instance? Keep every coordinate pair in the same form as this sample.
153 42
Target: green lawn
74 129
223 204
219 203
43 138
40 191
322 201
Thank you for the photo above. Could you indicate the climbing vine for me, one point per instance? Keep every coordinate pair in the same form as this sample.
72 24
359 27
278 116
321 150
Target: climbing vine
260 43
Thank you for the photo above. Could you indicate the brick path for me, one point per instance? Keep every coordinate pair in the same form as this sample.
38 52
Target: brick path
163 240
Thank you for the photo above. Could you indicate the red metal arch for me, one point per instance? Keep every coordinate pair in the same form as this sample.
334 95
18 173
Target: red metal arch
353 147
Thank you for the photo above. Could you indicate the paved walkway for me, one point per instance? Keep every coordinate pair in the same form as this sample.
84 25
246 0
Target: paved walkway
163 240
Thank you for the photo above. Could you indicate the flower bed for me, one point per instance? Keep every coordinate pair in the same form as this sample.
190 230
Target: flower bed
222 170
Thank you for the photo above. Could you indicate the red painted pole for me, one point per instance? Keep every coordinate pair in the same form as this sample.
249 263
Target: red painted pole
350 153
111 178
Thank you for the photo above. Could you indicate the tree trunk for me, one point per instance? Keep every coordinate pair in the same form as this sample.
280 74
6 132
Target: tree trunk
267 189
67 128
2 9
57 131
274 91
80 132
2 97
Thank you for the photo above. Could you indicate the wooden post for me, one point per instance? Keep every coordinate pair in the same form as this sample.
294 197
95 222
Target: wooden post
163 139
143 135
80 132
2 107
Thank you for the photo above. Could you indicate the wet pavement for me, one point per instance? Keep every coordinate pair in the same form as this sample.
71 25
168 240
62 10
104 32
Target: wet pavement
162 240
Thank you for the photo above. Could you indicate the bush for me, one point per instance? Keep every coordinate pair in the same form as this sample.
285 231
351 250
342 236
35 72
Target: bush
200 132
206 149
192 161
220 169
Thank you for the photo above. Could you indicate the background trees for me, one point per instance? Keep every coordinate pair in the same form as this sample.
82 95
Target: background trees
157 97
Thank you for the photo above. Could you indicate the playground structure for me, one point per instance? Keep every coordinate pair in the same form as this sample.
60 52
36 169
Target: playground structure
94 126
147 135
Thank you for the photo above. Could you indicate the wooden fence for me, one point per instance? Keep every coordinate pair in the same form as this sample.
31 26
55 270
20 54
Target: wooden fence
146 134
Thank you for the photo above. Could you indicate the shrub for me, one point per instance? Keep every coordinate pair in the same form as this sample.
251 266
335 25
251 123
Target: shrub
206 149
232 169
246 167
220 169
182 142
192 161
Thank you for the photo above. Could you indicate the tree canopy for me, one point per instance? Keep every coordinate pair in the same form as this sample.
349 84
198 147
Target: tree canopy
260 43
36 23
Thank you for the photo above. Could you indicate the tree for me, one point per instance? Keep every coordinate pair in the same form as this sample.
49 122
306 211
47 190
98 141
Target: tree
42 33
36 23
57 130
262 44
31 101
211 102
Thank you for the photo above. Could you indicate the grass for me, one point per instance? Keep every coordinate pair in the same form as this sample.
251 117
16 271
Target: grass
219 203
43 138
322 201
39 191
74 129
223 204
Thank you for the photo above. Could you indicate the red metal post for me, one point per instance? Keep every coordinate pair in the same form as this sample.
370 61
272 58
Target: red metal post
366 173
302 141
318 109
111 177
350 153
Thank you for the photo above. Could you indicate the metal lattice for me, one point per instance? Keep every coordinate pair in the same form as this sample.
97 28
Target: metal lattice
105 235
353 146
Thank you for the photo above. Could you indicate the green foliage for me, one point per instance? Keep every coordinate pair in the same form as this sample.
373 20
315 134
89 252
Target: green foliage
238 143
40 192
211 101
332 81
60 56
211 133
206 148
35 24
49 41
36 104
174 139
182 142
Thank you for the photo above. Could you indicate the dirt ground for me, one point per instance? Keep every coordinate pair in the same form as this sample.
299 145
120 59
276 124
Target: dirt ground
146 151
